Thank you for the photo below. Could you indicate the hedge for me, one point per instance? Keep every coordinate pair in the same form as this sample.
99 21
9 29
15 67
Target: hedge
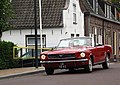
6 55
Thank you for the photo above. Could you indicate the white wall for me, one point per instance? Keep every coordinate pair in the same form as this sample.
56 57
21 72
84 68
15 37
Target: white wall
53 36
71 28
14 36
18 37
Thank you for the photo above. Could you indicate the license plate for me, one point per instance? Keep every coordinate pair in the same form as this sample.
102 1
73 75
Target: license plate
62 65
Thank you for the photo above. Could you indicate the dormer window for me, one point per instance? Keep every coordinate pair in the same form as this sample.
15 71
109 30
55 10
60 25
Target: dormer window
102 5
107 11
94 5
113 12
74 14
91 3
101 8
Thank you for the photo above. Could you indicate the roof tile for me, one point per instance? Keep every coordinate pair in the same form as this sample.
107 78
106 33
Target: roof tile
24 13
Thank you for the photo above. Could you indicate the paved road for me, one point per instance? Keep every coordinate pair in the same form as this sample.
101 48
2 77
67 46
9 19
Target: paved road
63 77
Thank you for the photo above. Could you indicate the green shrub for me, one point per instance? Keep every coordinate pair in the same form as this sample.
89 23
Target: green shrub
6 55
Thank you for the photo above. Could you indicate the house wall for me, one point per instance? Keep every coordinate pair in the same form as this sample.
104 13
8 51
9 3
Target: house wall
105 32
16 36
103 24
19 36
70 27
53 35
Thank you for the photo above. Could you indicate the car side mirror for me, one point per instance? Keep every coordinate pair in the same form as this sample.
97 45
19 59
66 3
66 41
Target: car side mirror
54 48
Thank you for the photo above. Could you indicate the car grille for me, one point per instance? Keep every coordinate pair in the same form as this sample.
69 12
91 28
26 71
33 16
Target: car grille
61 56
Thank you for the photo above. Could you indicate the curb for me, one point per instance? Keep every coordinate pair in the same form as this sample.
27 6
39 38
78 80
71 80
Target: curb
21 74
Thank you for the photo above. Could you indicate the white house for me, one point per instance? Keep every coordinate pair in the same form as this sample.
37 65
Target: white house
60 19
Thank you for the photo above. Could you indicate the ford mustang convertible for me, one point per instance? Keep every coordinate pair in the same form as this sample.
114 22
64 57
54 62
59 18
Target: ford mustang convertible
73 53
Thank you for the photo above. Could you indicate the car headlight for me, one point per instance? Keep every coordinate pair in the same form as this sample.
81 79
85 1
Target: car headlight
82 55
43 57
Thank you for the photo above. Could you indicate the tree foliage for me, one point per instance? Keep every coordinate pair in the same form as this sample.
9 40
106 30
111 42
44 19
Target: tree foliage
116 2
5 15
6 55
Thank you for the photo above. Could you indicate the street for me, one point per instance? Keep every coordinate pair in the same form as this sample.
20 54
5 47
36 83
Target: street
99 76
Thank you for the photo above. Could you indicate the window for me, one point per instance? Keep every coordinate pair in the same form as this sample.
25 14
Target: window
72 35
99 34
119 44
91 2
113 10
108 11
113 13
114 43
102 5
74 14
30 40
77 35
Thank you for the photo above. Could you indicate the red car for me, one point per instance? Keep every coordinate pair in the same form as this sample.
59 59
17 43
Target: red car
73 53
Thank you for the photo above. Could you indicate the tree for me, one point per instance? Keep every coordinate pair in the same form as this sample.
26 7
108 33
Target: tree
5 15
116 2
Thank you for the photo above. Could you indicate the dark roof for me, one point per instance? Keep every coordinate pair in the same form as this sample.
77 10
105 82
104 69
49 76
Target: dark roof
88 10
24 13
85 6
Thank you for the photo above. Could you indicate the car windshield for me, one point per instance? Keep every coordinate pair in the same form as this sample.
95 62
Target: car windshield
73 42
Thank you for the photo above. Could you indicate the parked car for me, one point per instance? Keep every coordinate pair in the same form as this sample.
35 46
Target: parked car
73 53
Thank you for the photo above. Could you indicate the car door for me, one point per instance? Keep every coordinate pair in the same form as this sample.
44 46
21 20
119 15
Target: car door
95 53
100 56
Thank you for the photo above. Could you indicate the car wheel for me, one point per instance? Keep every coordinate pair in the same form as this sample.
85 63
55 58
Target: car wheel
89 67
106 64
49 71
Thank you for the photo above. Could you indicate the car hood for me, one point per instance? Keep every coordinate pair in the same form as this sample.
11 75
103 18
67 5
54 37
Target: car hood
67 50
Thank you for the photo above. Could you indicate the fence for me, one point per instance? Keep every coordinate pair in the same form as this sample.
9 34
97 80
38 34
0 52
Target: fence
27 54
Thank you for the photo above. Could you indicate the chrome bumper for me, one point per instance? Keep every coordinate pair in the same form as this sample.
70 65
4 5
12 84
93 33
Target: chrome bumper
63 61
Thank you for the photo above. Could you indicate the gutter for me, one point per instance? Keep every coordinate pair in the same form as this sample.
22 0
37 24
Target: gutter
98 16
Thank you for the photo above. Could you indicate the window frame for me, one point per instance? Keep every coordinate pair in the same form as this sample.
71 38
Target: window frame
38 37
74 14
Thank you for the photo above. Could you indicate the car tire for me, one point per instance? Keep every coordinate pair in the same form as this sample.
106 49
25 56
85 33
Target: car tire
49 71
89 67
106 64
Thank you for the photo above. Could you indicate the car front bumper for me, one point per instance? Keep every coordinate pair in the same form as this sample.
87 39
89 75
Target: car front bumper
63 61
65 64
